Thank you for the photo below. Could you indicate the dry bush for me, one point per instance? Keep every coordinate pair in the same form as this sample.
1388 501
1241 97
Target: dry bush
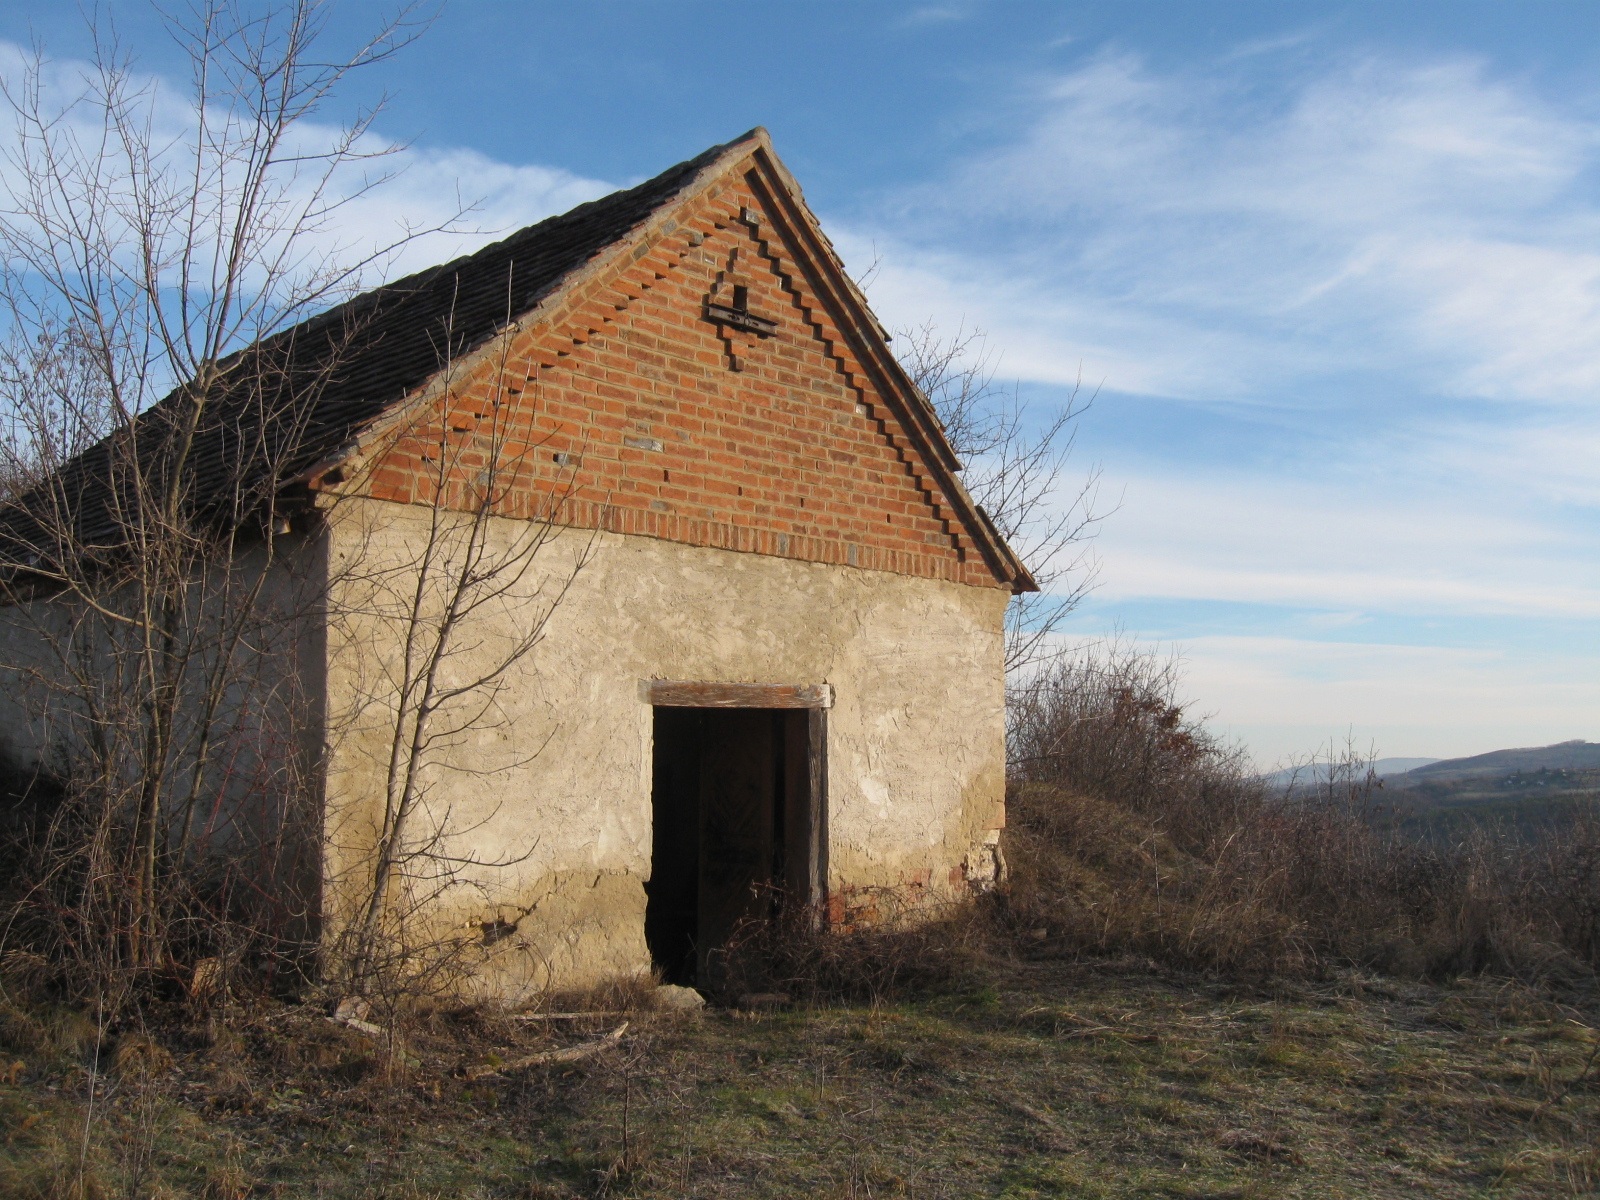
227 937
810 962
53 1176
623 993
1133 830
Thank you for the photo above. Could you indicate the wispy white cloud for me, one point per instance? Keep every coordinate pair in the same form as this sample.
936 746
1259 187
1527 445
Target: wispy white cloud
1271 44
478 197
1420 218
1550 462
1320 545
430 205
1270 246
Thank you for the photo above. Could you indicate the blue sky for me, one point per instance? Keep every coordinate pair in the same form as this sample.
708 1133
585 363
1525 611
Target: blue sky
1334 269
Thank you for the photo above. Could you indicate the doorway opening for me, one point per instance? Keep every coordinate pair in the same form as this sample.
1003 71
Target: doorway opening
738 828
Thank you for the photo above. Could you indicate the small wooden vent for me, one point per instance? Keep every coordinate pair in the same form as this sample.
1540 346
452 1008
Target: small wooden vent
740 318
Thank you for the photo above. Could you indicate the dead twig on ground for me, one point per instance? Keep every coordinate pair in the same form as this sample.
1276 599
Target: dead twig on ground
565 1055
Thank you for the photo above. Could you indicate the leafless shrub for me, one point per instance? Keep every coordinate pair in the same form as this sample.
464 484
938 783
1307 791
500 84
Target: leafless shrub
1016 470
896 954
162 570
1133 830
465 598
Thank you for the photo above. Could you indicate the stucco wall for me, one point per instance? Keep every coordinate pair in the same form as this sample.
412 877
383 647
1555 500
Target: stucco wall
259 720
555 781
28 670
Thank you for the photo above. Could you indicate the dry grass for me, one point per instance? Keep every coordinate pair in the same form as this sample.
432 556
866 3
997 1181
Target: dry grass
901 953
1176 994
1132 830
1050 1080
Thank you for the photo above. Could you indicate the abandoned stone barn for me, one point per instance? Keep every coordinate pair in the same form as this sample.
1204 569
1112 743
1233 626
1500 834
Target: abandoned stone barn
768 617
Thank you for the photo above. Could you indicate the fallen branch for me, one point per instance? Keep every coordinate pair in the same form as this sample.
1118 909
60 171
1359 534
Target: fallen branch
568 1054
541 1016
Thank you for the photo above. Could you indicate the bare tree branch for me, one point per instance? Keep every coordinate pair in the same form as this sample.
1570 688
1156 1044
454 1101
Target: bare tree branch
1016 459
150 244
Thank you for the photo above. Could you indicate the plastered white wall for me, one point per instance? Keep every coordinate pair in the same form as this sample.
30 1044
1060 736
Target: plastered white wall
554 781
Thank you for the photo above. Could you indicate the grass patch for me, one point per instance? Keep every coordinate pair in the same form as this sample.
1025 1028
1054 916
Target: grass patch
1053 1081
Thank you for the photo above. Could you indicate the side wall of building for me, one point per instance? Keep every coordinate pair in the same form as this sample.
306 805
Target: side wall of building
255 719
538 814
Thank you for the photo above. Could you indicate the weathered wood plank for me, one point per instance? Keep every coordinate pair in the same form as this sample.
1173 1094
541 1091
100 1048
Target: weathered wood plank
678 693
816 850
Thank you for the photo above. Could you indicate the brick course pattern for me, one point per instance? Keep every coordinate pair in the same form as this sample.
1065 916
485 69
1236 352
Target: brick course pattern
629 409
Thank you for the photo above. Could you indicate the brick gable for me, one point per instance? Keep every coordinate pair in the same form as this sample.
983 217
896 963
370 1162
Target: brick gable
709 387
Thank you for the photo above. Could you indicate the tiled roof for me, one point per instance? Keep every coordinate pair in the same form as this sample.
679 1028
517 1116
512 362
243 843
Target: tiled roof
335 374
303 397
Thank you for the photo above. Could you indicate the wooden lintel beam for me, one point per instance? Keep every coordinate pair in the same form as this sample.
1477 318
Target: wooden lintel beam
678 693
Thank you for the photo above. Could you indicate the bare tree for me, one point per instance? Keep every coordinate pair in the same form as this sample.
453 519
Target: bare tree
1016 469
53 405
459 596
154 251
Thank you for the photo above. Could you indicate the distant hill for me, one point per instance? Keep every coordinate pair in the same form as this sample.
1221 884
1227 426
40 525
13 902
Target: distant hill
1576 755
1318 772
1515 793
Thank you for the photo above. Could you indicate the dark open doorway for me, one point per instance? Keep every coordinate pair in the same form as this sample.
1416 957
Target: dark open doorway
737 809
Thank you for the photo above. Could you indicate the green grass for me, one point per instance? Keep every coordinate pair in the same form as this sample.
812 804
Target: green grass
1053 1081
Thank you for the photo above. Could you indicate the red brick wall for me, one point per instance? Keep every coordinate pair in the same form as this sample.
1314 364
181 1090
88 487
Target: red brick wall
630 411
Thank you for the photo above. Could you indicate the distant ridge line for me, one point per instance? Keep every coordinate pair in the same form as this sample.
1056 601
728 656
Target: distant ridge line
1575 754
